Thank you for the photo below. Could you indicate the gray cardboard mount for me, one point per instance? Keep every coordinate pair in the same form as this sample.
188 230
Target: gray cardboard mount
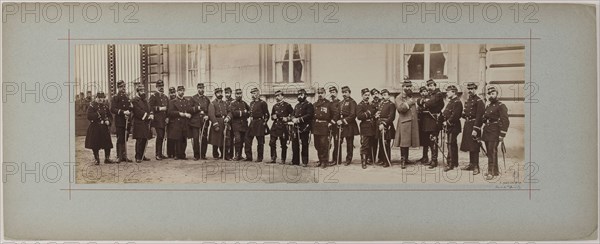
561 134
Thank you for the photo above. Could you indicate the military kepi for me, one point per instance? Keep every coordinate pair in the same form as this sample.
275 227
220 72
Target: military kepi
171 89
200 85
430 82
218 89
301 91
254 89
422 89
227 89
471 85
278 92
332 89
491 89
452 88
238 91
407 83
385 91
373 91
160 83
100 94
180 88
346 89
121 83
321 90
364 90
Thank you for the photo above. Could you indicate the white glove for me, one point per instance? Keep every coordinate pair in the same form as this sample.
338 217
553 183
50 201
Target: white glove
126 112
162 108
339 122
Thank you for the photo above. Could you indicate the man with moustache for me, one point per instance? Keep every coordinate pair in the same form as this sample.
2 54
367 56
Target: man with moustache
320 128
302 120
159 103
229 138
199 110
259 115
473 113
217 113
142 116
239 111
335 116
121 107
365 112
386 114
170 142
375 144
451 122
280 114
347 121
179 113
496 122
432 105
407 129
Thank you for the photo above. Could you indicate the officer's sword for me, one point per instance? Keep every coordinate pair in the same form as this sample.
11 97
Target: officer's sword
202 134
384 151
503 150
339 147
224 140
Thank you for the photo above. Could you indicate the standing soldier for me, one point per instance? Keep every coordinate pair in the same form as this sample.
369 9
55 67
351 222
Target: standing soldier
239 112
229 137
432 107
281 114
320 128
365 112
259 115
496 125
473 113
199 122
159 103
335 116
121 108
422 112
407 133
179 115
170 142
451 124
142 116
98 132
386 114
375 144
347 122
303 116
217 113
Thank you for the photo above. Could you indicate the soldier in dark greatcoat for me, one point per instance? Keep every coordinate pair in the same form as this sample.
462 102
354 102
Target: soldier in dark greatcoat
365 112
170 143
179 113
407 129
496 122
375 144
320 127
121 107
142 116
228 100
281 114
472 113
259 115
450 120
386 114
199 123
159 103
335 116
302 120
98 132
347 121
432 106
217 113
239 111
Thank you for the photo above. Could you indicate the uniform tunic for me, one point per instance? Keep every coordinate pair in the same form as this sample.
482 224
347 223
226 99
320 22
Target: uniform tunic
156 101
281 110
141 122
320 128
365 112
472 113
260 115
387 115
217 111
98 135
348 117
496 121
178 125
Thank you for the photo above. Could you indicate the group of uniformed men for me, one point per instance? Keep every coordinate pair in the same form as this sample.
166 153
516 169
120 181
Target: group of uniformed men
230 125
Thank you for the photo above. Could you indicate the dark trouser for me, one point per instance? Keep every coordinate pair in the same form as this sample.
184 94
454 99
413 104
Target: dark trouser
366 146
296 148
238 141
97 155
140 145
121 147
374 148
385 145
322 146
336 146
273 144
260 146
474 159
180 145
160 137
430 144
404 153
199 151
452 150
171 148
216 151
492 154
349 147
229 144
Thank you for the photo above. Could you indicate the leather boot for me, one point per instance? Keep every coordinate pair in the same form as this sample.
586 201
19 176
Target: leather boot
363 161
476 171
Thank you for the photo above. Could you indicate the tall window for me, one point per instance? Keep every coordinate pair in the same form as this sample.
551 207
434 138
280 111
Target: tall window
196 63
426 61
290 63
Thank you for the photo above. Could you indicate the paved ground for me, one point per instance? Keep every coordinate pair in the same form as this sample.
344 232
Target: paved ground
219 171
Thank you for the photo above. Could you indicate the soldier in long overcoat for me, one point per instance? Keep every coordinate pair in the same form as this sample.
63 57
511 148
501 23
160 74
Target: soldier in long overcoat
472 113
98 132
217 113
407 129
142 116
179 113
